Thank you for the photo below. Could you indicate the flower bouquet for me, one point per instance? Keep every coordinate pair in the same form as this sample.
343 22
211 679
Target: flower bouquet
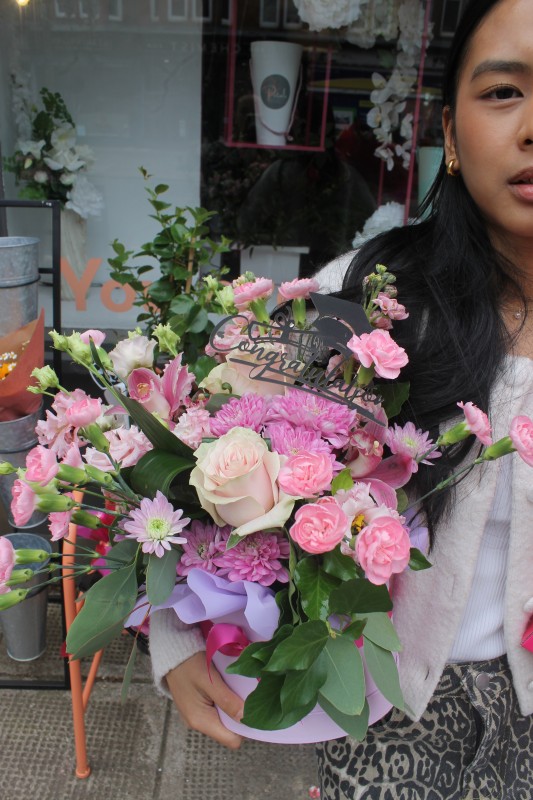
268 503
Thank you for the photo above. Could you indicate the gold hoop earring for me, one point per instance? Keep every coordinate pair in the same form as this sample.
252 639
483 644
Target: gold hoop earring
451 168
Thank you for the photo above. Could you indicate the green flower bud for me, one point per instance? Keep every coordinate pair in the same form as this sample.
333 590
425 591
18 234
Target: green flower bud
25 556
88 520
20 576
6 468
298 312
46 378
93 433
59 341
500 448
99 475
54 502
71 474
454 435
78 350
167 338
12 598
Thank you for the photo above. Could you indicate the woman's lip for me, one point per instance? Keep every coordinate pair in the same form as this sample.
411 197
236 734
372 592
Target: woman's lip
524 176
524 191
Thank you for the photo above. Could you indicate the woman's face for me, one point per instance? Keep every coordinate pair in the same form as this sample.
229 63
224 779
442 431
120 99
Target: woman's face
491 134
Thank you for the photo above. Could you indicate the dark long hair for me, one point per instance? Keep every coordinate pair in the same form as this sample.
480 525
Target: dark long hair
451 280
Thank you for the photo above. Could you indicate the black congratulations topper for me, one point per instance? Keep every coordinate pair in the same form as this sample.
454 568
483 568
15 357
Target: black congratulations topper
303 359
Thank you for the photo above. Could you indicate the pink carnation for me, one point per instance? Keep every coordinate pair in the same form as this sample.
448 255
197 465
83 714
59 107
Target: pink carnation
23 503
379 349
205 541
477 422
84 412
298 288
246 293
383 548
390 306
41 465
521 434
247 411
256 558
192 426
319 527
128 445
306 474
58 523
57 431
7 562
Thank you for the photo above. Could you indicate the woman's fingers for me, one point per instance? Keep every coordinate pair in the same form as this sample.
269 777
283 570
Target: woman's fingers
195 695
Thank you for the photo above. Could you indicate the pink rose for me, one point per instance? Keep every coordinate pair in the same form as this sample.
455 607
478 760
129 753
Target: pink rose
306 474
477 422
379 349
246 293
319 527
236 481
298 288
23 503
521 434
83 412
7 562
41 465
383 548
98 337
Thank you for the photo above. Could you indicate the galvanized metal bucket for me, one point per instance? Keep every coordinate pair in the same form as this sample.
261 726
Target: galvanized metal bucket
19 275
17 438
24 625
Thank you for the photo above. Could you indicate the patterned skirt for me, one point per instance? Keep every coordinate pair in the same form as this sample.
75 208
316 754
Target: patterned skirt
472 743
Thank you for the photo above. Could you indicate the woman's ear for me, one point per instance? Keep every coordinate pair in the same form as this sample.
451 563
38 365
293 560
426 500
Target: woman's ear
449 136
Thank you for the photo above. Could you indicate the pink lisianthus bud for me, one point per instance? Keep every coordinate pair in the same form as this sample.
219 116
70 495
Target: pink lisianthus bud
41 465
379 350
383 548
98 337
299 288
521 435
129 354
306 474
319 527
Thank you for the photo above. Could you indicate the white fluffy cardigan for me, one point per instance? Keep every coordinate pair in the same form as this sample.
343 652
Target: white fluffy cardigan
429 605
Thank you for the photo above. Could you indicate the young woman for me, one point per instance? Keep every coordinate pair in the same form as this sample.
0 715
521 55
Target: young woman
466 276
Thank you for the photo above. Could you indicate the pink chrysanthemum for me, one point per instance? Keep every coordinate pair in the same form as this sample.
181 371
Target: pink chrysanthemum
331 420
289 441
155 524
256 558
247 411
411 441
204 542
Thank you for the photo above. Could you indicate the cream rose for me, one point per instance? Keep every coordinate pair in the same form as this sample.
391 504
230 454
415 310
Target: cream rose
236 480
237 376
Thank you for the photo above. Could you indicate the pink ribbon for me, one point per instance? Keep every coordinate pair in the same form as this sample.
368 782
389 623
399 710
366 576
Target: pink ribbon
227 639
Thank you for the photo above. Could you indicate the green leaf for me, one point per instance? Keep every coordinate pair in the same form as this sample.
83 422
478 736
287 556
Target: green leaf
343 480
253 658
216 401
340 566
198 320
394 396
107 605
402 500
161 188
182 304
354 725
161 576
345 684
124 551
382 667
355 629
157 433
202 367
128 673
301 649
156 470
380 630
315 587
161 291
301 687
359 596
418 560
262 707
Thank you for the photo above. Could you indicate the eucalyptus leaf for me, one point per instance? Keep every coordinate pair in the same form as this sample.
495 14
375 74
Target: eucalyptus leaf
355 725
345 683
301 649
382 666
315 587
161 576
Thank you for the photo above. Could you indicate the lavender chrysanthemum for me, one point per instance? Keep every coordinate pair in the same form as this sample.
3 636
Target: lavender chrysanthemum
155 524
411 441
290 441
256 558
247 411
332 421
204 542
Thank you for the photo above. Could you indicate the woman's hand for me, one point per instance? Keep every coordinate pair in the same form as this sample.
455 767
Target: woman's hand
195 695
